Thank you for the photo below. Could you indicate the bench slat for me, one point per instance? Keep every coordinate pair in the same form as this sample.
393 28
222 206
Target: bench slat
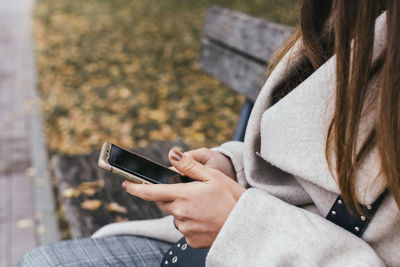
236 48
254 37
236 71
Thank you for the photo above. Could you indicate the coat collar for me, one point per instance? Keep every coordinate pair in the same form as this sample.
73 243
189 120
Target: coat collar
291 134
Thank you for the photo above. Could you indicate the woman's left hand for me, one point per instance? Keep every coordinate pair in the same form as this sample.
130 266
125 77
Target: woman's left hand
200 208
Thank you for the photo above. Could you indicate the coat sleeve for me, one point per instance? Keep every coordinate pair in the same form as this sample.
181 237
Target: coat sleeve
234 151
162 229
263 230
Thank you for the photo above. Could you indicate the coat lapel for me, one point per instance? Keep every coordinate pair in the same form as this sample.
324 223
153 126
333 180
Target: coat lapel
291 135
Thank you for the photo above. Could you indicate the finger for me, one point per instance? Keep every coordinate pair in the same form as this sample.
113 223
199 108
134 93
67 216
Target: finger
175 170
189 166
165 206
177 223
153 192
173 208
201 155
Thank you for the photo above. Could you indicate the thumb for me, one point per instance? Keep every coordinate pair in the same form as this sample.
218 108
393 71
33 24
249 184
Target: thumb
188 166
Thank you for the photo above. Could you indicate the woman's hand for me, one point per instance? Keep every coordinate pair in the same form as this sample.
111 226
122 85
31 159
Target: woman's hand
200 208
214 160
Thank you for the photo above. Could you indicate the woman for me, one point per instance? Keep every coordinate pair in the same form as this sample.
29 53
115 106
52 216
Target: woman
326 123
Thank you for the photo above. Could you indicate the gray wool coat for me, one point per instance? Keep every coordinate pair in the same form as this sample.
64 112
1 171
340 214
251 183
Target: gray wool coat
280 219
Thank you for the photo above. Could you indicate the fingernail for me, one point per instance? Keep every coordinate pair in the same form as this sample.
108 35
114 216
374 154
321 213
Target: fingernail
176 155
124 185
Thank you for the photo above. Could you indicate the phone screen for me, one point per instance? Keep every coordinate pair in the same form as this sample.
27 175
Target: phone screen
144 168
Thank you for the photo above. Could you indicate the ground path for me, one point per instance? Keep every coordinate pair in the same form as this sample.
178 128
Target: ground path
26 200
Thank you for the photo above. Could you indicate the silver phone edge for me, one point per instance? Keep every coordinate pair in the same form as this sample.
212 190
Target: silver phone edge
104 164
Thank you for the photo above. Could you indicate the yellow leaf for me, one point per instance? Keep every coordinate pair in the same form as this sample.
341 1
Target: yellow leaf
91 204
41 229
115 207
124 93
121 219
25 223
88 191
70 192
95 185
30 172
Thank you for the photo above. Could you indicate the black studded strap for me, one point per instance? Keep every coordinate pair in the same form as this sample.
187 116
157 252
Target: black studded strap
354 223
182 255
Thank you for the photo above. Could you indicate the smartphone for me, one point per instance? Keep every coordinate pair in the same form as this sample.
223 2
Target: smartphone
136 168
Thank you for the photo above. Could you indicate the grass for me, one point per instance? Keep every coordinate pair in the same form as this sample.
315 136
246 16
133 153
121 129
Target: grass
126 71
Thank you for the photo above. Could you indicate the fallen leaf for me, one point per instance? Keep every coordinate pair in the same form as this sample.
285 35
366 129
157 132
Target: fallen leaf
91 204
121 219
115 207
86 188
88 191
31 171
84 185
40 229
70 192
92 185
24 223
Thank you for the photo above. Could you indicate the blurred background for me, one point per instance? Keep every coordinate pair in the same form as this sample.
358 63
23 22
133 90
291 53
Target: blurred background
94 70
126 71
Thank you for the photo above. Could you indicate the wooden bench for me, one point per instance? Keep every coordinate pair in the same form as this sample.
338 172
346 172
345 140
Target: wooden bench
235 49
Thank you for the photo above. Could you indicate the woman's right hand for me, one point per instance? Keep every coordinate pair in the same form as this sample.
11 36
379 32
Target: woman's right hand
214 160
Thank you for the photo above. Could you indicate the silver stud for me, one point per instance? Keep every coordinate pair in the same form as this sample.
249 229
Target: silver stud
174 259
170 253
165 262
178 245
357 229
340 202
333 212
369 207
362 218
184 246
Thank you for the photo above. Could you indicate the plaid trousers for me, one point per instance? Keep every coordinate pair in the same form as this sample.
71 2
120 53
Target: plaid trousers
122 250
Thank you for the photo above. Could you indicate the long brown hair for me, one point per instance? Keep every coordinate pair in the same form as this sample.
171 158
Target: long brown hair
346 28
